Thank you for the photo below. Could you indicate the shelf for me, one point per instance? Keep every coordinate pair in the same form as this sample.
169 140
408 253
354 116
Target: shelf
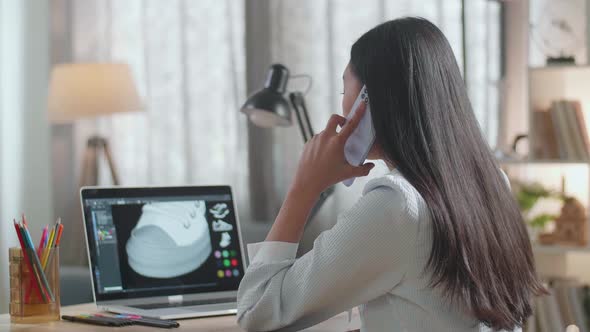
541 161
558 66
559 249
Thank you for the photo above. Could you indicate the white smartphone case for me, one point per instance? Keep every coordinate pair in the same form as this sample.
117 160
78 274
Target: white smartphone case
359 143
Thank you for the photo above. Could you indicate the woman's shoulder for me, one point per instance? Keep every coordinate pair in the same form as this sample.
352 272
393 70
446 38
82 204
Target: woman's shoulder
389 210
398 191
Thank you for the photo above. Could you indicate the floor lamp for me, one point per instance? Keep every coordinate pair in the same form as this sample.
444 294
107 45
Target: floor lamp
90 90
269 108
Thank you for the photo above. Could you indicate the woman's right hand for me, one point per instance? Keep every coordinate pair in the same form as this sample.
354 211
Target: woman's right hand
323 163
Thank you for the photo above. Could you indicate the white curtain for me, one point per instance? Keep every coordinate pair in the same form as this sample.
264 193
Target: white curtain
483 64
188 61
24 129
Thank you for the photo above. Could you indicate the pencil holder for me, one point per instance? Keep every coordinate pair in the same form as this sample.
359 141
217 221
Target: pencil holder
34 298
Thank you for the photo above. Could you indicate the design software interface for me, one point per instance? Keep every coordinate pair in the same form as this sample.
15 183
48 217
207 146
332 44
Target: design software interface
143 244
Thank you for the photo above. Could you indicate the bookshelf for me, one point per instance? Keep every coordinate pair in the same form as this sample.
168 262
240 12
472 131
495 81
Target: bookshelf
548 84
559 249
527 161
567 266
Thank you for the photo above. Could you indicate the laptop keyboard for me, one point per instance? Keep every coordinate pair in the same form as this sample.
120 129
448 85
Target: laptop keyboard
182 304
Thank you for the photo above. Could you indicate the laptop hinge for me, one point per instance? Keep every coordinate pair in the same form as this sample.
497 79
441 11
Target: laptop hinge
175 299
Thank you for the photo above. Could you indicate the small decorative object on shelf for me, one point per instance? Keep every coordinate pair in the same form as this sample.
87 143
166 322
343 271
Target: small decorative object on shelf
558 31
570 226
527 196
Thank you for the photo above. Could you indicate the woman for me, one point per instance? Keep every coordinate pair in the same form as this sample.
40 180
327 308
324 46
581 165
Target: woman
436 245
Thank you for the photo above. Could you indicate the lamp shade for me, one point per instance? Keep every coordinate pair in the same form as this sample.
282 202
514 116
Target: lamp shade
92 89
268 107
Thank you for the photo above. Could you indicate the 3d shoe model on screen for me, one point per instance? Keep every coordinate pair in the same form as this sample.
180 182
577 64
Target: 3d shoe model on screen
222 226
170 239
225 240
219 210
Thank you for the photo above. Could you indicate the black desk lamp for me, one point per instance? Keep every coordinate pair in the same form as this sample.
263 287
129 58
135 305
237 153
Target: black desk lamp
269 108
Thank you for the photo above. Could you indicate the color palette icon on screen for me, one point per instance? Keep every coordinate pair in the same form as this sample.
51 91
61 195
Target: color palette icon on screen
227 263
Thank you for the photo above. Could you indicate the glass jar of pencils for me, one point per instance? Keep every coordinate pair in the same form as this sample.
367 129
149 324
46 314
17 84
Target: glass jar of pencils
34 285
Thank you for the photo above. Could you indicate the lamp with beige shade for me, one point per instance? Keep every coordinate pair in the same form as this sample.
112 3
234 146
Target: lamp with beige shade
87 90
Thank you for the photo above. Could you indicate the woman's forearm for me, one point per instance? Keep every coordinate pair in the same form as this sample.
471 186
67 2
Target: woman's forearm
290 222
322 164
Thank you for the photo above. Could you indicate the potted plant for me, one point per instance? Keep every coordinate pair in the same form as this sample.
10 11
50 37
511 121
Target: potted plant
528 195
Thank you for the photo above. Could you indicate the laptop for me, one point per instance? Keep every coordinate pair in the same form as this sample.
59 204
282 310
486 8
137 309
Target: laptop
164 252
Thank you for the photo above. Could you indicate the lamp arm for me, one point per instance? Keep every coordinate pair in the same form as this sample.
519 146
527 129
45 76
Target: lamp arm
321 200
298 103
306 115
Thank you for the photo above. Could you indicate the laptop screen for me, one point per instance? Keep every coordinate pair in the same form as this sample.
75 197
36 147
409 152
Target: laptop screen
162 241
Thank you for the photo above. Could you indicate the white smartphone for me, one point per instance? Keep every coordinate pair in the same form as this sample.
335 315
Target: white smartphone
361 140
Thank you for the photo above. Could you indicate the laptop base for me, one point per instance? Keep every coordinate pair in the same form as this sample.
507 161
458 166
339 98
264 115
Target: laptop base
176 312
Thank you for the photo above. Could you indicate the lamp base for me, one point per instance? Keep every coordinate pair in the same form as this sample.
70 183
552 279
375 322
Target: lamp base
94 146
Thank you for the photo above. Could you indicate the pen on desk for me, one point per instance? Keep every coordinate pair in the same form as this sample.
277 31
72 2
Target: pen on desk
149 321
116 319
155 323
90 320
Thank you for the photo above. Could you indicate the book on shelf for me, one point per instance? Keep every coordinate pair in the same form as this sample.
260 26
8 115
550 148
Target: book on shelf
544 143
576 107
563 307
531 324
575 130
576 297
560 132
559 126
548 314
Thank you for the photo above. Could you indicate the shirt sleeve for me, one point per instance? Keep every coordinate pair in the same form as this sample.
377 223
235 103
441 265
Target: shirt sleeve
271 251
361 258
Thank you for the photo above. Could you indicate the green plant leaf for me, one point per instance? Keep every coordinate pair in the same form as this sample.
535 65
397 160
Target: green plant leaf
541 220
536 189
526 200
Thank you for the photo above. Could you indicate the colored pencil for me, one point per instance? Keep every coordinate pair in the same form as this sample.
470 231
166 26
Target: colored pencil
37 264
42 242
48 247
54 243
28 261
59 232
30 250
46 238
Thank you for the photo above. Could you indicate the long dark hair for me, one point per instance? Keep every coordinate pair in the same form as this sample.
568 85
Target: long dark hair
424 125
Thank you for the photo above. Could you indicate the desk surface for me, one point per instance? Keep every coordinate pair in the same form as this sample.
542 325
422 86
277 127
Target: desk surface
219 324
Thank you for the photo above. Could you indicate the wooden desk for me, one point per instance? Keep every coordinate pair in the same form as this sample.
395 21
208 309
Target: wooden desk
218 324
